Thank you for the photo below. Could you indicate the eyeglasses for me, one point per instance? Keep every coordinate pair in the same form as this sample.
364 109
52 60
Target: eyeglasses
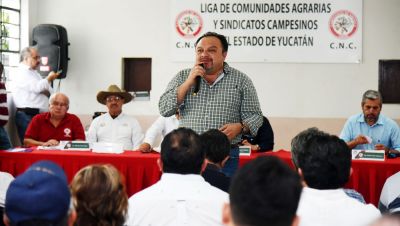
113 98
35 57
60 104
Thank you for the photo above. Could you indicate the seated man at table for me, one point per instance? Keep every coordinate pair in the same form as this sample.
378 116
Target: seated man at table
217 147
324 163
162 126
115 126
264 192
371 130
49 128
263 141
40 197
181 196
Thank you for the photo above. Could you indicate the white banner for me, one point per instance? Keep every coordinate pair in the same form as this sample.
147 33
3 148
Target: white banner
318 31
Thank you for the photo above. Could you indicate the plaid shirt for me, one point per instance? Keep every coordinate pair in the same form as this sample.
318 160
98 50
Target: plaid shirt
231 99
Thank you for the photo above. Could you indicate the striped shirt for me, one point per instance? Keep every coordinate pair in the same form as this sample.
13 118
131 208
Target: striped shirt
3 105
231 99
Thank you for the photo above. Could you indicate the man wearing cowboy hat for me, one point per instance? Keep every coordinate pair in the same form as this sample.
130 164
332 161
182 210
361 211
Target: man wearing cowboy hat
115 126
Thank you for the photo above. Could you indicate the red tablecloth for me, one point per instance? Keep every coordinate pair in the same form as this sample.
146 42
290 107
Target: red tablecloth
368 177
140 170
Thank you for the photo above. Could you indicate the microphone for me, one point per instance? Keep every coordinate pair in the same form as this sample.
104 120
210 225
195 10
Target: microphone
198 81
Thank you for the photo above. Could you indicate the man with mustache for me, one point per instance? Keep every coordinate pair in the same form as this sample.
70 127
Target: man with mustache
226 100
371 130
115 126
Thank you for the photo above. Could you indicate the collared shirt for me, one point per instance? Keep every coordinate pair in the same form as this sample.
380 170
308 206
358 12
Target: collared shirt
390 195
41 129
162 126
333 207
27 85
5 180
385 131
123 129
231 99
177 200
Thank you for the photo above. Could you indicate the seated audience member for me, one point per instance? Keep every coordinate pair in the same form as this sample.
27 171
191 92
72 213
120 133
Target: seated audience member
389 201
40 197
115 126
217 147
371 130
264 192
181 196
324 163
298 144
162 126
4 139
49 128
5 180
387 220
263 141
99 196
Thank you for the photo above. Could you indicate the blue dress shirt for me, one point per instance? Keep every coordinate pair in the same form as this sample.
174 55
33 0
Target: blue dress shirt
385 131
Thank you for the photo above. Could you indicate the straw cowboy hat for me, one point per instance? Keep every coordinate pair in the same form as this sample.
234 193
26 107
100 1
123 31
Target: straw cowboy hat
113 90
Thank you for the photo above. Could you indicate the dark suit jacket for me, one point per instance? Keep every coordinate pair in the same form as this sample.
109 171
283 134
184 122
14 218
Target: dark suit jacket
216 178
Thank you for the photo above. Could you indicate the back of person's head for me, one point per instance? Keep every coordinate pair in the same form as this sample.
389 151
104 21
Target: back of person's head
216 144
264 192
324 160
39 196
299 141
99 196
182 152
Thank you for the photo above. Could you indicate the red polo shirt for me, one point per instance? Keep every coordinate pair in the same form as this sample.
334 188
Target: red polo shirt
41 129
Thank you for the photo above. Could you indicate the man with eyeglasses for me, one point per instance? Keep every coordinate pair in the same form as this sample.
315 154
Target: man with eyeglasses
30 91
371 130
49 128
115 126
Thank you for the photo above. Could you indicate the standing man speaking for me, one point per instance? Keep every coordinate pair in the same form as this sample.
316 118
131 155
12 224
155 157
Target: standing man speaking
224 98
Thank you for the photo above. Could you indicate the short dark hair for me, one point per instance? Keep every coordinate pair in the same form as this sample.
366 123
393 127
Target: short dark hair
324 159
265 192
216 144
181 152
299 141
221 38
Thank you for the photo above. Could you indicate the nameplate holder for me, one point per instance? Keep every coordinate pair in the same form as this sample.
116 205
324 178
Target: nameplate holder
245 150
374 155
75 145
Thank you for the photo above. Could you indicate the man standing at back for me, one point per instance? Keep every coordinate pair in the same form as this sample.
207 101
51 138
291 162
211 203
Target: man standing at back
371 130
182 196
226 100
31 92
324 163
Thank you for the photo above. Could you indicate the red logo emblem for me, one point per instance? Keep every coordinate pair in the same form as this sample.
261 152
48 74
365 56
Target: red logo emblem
188 23
343 24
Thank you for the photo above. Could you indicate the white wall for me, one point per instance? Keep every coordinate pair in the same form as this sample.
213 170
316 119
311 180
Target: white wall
102 32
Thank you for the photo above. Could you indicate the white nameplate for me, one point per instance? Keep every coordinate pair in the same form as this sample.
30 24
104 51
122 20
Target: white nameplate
244 150
104 147
376 155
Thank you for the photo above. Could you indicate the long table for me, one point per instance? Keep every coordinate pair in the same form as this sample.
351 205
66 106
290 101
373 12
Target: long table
140 170
368 177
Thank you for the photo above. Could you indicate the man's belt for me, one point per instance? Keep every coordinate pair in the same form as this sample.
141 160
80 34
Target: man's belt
29 111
